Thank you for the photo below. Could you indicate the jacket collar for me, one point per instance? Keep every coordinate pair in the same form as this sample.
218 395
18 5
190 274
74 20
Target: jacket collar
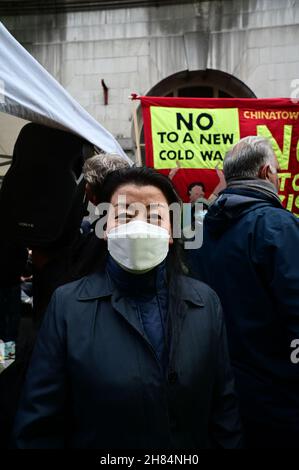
98 285
190 290
95 286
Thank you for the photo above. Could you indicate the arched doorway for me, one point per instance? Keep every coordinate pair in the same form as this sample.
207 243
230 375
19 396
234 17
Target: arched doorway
196 84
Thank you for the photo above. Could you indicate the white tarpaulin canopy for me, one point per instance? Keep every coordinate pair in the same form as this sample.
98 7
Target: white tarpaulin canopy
28 91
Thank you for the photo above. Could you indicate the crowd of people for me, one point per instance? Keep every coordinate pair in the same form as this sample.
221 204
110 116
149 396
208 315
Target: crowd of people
141 343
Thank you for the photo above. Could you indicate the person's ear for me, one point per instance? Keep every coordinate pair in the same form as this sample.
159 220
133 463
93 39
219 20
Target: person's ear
264 172
91 197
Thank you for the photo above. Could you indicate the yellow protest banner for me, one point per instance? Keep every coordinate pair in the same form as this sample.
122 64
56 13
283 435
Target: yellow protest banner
197 138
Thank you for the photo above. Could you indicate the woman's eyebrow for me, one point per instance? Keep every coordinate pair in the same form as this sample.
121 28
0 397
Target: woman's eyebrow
122 205
154 205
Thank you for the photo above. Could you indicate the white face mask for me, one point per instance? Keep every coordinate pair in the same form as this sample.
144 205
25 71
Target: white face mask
138 246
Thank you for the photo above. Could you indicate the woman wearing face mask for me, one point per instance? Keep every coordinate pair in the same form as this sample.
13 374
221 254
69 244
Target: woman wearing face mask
134 354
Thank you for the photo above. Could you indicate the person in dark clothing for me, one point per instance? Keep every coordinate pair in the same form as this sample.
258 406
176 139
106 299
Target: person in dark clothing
45 217
12 266
13 262
250 257
69 258
134 354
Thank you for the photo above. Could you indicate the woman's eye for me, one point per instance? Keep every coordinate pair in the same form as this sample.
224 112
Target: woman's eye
155 218
123 217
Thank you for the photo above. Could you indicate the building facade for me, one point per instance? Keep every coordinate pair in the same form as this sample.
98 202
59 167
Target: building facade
101 51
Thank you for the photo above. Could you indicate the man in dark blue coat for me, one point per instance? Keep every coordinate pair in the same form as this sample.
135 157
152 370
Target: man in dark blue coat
250 257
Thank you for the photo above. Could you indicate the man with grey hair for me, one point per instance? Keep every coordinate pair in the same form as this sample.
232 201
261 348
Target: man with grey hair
96 169
252 158
250 257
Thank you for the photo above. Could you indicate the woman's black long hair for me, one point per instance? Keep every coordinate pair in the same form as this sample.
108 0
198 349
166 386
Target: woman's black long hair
92 256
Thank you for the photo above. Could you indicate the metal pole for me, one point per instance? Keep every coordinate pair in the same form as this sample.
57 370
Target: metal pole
133 97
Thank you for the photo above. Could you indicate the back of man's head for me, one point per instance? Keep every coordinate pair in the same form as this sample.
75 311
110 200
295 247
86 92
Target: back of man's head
251 157
96 169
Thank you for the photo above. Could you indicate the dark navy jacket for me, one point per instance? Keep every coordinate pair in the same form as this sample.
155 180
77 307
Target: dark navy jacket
250 256
95 381
147 294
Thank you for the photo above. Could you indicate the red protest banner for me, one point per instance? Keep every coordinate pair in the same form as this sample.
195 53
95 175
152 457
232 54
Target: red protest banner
197 132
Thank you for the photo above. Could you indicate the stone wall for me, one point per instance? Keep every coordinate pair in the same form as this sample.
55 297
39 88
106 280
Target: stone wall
133 49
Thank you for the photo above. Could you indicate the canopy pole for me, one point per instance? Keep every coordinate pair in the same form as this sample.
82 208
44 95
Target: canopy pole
133 97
